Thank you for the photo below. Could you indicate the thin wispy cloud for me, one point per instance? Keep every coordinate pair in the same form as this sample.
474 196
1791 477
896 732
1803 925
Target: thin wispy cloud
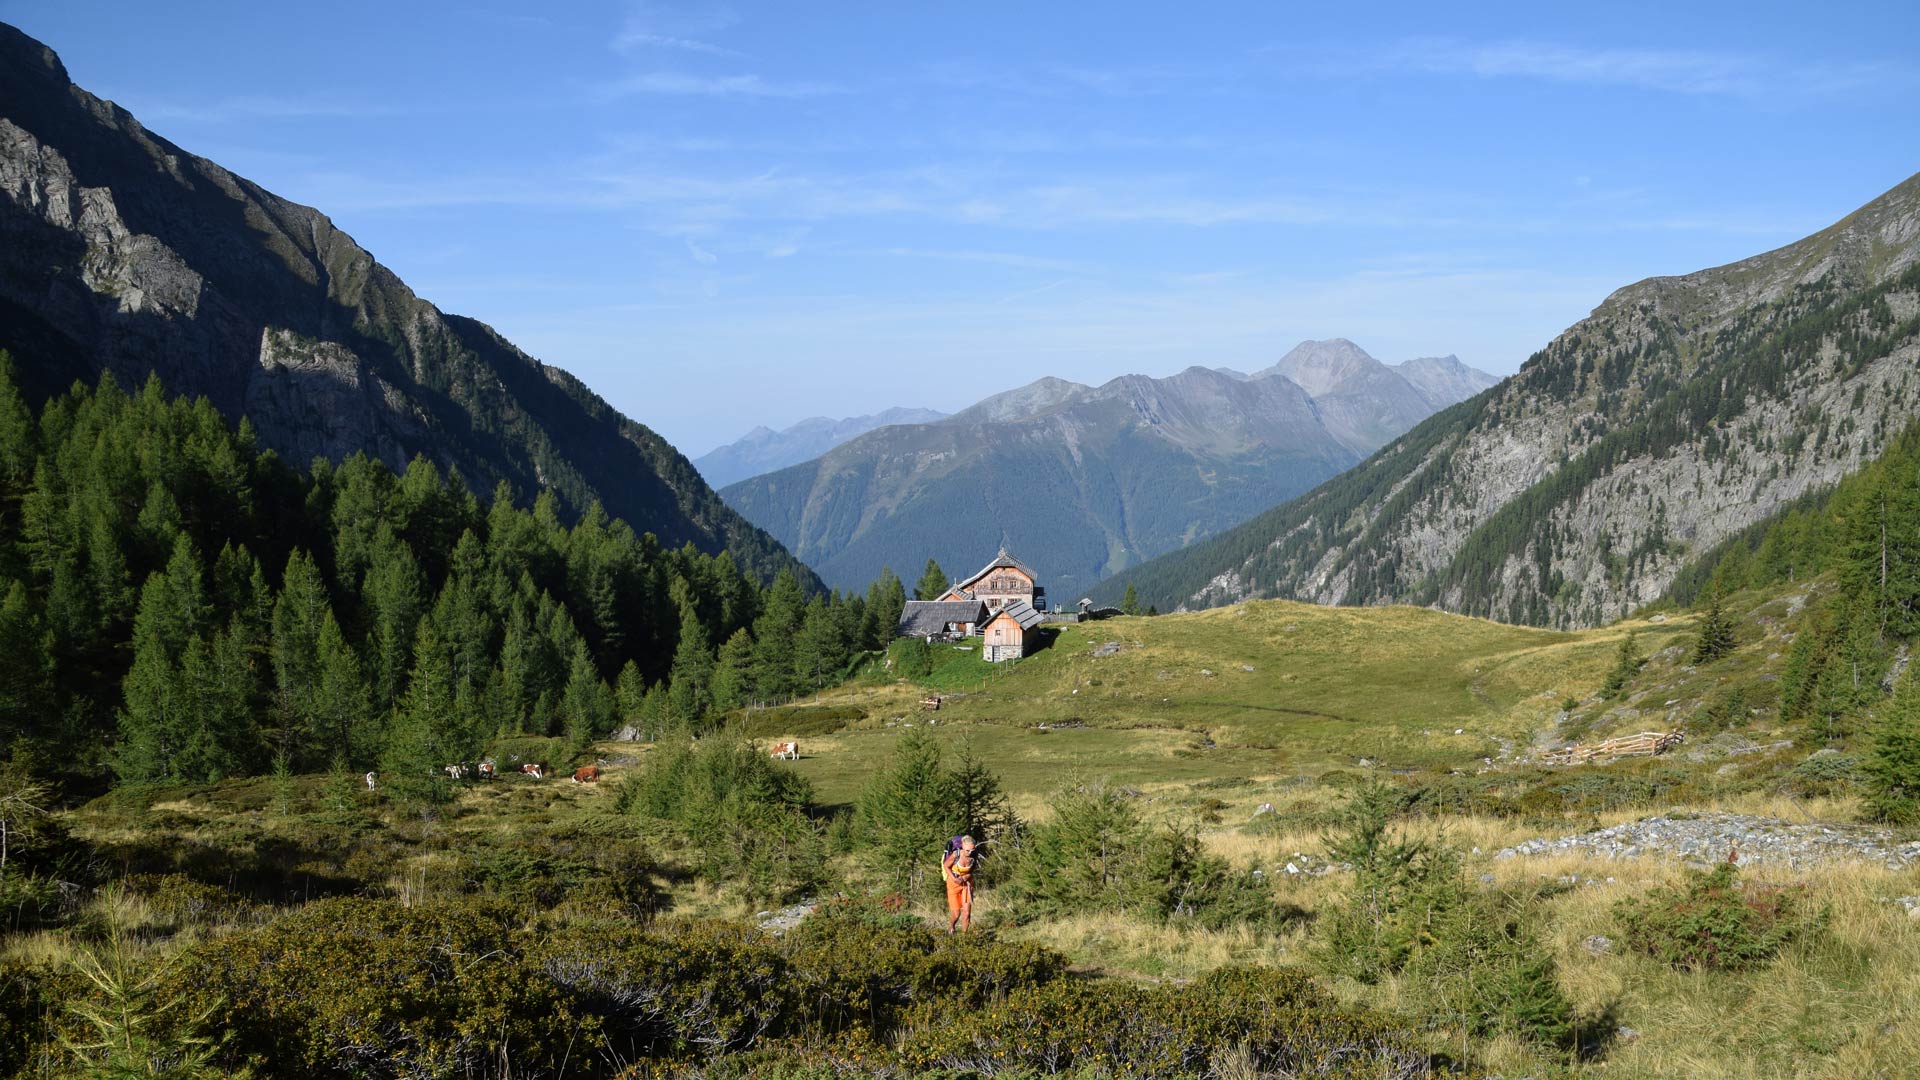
996 258
1678 71
247 108
683 84
680 27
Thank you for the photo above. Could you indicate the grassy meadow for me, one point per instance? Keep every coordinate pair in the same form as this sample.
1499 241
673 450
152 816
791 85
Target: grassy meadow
1198 721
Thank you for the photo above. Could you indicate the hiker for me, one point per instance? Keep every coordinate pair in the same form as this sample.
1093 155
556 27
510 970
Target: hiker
957 868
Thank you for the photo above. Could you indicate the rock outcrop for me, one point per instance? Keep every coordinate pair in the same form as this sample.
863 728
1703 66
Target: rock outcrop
121 253
1681 412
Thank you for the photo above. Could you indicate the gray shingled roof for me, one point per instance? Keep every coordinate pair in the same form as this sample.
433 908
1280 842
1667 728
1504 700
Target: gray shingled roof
1023 613
922 617
1003 559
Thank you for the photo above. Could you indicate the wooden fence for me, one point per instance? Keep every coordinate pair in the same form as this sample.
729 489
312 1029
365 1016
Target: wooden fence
1645 744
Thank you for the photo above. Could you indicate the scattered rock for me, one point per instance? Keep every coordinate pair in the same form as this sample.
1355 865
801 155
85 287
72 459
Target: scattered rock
1246 667
1206 673
1598 944
1707 839
785 919
630 733
1111 648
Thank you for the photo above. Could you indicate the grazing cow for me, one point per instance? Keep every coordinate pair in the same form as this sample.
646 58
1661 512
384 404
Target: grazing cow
586 774
486 769
530 769
789 751
370 783
456 772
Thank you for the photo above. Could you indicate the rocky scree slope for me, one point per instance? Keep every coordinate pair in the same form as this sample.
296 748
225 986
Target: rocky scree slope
1081 481
1683 410
121 252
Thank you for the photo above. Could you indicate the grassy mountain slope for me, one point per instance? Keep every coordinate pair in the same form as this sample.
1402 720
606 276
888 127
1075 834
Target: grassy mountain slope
1681 412
121 252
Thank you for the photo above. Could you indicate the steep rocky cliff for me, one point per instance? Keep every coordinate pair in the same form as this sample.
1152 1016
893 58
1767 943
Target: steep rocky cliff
1683 410
1080 481
121 252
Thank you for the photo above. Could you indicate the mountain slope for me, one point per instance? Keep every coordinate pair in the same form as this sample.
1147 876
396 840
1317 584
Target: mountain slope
121 252
1683 410
764 450
1079 481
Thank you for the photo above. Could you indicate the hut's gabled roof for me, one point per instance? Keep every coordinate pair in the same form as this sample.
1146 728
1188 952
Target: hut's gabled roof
1003 560
922 617
1021 612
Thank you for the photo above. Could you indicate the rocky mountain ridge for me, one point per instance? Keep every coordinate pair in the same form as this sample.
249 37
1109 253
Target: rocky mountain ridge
1081 480
1683 410
765 450
120 252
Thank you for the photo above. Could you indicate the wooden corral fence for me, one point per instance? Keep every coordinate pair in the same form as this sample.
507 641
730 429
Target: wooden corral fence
1645 744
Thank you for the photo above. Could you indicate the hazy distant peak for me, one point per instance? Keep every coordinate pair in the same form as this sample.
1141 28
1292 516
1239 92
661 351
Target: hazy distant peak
1324 367
1444 380
1032 399
765 450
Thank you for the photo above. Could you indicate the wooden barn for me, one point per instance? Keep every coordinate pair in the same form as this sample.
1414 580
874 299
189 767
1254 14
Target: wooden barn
1008 632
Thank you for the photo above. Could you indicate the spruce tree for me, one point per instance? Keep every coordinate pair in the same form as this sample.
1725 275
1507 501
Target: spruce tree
1627 663
886 598
587 705
692 670
1714 638
1893 769
295 654
732 684
906 812
933 582
773 639
629 692
341 700
1130 603
422 739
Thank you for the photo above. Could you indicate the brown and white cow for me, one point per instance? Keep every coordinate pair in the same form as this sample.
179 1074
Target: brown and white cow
789 751
586 774
530 769
486 769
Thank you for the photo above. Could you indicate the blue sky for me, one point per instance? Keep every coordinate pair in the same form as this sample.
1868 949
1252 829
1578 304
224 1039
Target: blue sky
721 215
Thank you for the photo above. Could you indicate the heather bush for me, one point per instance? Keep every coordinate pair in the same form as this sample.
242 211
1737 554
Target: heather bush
1715 922
1287 1025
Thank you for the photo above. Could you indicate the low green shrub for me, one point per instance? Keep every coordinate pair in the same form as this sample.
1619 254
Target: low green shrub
180 901
798 721
739 816
1288 1026
1714 922
1824 775
1098 854
542 868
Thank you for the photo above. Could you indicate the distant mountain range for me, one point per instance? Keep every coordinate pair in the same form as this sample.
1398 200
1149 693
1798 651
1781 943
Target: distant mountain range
1082 481
1683 411
764 450
121 252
